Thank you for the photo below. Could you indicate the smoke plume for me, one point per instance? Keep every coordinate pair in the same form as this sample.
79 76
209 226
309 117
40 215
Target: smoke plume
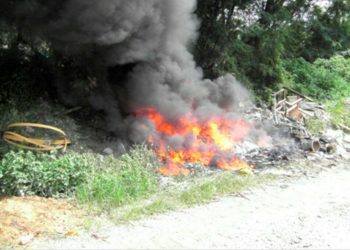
152 39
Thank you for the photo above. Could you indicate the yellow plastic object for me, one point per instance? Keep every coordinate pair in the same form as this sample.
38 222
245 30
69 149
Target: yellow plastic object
36 144
246 171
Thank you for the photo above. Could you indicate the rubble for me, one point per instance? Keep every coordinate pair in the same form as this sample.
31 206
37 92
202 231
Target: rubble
25 239
286 122
108 151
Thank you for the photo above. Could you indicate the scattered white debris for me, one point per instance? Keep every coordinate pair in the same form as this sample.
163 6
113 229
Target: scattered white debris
25 239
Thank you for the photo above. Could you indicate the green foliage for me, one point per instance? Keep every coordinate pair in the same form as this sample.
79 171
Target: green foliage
336 64
26 173
116 181
340 111
315 126
264 67
317 80
329 31
249 39
252 40
9 114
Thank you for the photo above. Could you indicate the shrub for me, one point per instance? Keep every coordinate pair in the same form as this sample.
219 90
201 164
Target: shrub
336 64
316 126
316 80
340 111
9 115
117 181
27 173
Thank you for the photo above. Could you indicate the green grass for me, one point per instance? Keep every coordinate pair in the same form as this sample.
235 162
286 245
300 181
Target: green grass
316 126
114 182
200 192
209 189
128 188
340 112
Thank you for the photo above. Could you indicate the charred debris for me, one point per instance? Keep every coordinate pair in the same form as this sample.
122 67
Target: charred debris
292 137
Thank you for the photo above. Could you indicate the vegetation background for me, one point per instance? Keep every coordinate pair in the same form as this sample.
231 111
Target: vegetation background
304 44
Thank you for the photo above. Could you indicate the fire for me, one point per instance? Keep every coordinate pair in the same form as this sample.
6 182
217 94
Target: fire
189 140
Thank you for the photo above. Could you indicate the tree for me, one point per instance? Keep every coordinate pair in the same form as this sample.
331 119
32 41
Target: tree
252 38
219 27
249 38
329 29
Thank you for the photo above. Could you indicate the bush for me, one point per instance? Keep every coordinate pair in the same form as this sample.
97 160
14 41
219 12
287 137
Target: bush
318 80
340 111
27 173
337 64
316 126
117 181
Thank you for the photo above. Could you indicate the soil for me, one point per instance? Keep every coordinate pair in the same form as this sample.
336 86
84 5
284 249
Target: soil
26 218
303 209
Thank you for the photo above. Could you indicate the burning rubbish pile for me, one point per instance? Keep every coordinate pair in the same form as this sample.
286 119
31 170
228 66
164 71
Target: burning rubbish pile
189 140
141 75
235 144
137 69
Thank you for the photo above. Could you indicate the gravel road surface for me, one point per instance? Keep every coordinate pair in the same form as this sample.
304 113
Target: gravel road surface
308 212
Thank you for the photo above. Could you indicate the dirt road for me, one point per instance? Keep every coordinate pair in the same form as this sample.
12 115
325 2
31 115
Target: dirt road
303 213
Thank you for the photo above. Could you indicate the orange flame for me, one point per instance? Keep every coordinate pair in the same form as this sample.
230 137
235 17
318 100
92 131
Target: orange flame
206 142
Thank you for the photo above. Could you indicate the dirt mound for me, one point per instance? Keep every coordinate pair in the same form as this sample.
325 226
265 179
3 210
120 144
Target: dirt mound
24 218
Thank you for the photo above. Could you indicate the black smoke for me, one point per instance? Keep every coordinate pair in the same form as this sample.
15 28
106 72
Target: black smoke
137 53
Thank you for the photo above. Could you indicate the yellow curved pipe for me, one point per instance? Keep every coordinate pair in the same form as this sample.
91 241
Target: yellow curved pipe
36 144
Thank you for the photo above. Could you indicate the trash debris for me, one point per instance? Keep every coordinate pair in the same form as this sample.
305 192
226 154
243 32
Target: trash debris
245 171
99 237
25 239
67 112
293 109
289 105
108 151
287 123
21 141
71 233
313 146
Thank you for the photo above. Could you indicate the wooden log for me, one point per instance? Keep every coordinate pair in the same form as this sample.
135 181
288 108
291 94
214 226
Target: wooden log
278 92
281 103
67 112
345 128
299 94
295 102
279 108
295 106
